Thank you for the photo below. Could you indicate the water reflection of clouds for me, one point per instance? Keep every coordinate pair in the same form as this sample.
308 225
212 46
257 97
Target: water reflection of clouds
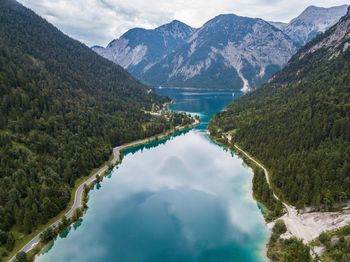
191 162
185 193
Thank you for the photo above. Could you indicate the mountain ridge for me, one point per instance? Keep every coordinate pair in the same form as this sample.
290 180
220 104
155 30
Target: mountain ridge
139 49
220 63
298 124
224 47
313 21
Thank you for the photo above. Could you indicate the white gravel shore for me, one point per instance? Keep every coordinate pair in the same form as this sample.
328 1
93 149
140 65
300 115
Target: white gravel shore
309 226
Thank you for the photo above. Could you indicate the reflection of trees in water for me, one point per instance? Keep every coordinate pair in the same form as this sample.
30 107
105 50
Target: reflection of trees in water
78 223
154 144
65 233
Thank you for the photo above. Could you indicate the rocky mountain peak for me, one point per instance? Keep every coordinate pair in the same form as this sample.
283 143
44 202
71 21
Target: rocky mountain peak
176 29
313 21
327 48
227 52
174 24
139 49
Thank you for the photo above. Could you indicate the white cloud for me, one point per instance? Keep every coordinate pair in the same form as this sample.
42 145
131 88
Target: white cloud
100 21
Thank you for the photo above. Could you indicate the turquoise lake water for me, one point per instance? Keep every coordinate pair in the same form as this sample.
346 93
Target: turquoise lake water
180 199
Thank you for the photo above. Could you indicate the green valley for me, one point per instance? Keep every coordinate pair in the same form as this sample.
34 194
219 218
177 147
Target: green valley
62 109
298 125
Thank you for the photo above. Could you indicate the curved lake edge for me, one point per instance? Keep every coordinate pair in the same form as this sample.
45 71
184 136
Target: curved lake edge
37 247
155 143
261 251
247 162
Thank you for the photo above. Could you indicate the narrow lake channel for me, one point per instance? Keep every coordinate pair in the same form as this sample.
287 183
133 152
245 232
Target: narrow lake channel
180 199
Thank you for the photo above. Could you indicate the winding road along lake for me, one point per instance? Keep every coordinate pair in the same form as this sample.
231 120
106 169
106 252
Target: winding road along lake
180 199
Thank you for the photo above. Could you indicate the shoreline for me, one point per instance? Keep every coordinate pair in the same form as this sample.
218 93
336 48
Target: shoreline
263 252
69 212
309 225
306 226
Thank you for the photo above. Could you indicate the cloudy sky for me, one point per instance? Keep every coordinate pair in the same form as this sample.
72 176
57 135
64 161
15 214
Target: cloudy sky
97 22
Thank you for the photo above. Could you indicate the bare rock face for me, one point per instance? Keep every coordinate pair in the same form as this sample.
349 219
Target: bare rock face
330 46
313 21
227 52
139 49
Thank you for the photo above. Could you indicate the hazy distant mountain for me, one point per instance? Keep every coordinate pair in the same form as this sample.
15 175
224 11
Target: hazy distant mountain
311 22
329 49
139 49
228 52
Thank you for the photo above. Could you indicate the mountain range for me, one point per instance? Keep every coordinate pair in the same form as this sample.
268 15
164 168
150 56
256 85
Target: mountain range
313 21
227 52
140 49
298 124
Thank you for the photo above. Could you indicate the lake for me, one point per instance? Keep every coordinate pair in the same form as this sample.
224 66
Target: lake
180 199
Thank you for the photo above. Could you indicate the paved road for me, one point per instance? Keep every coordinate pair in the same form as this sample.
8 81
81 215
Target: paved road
77 198
79 192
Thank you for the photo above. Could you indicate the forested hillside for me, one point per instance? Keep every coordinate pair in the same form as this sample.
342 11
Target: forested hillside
298 125
62 108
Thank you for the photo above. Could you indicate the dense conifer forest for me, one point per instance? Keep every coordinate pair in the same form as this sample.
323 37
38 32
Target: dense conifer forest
298 124
62 109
